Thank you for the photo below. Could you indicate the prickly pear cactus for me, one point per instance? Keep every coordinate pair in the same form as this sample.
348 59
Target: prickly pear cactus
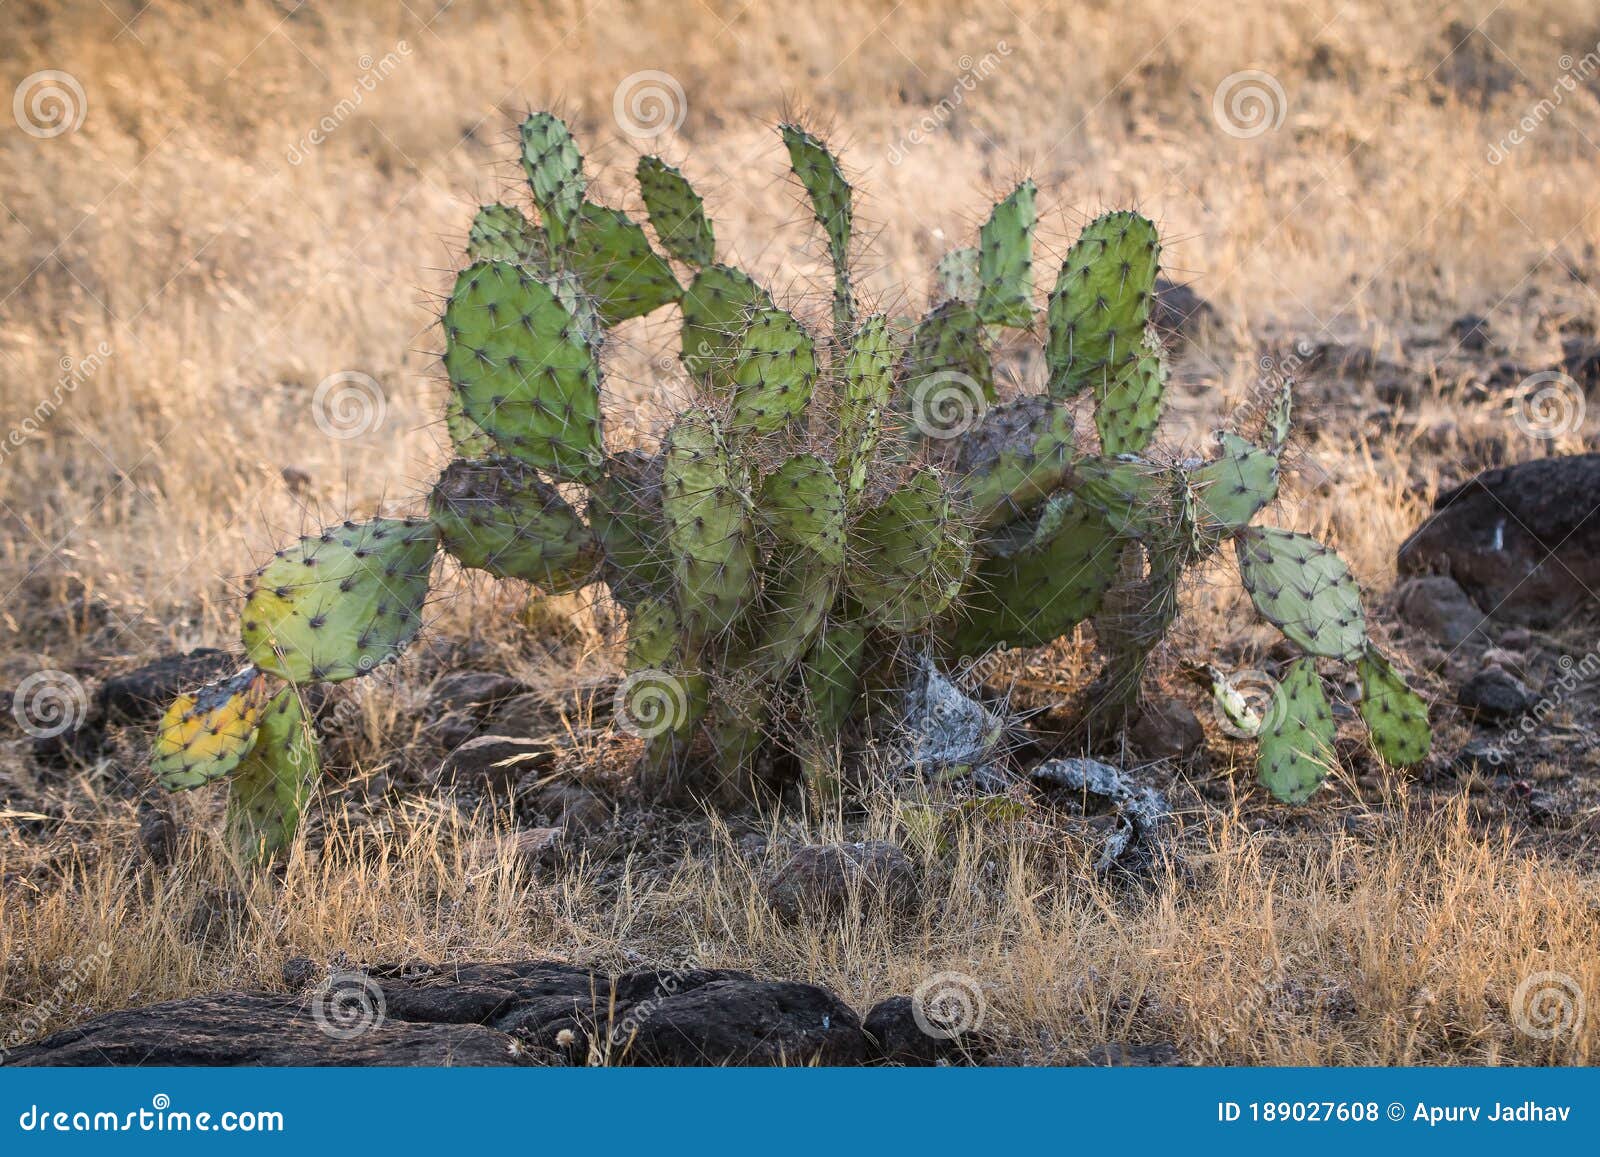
843 499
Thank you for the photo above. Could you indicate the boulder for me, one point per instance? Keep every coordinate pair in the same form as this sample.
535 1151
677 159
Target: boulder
1495 695
1437 606
1520 540
495 763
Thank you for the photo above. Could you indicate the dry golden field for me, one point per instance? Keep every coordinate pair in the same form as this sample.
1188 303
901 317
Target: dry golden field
217 207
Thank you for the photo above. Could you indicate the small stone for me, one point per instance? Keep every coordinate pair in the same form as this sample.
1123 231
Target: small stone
569 804
1471 332
300 972
1486 757
494 762
818 881
1543 805
1495 695
474 692
1437 606
158 834
1167 729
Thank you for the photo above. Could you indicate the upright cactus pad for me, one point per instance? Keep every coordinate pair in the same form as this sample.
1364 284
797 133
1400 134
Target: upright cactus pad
1395 715
830 195
1021 453
1005 261
340 603
956 277
625 515
205 735
501 233
1100 306
1296 739
499 516
708 527
524 369
949 340
1127 407
910 555
718 306
805 505
618 269
269 790
868 384
676 213
773 373
1304 589
554 168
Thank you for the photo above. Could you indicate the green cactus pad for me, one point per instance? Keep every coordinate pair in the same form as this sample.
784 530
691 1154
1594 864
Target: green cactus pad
525 370
1101 303
1232 488
1304 589
1005 261
825 185
206 734
804 504
676 213
911 554
717 307
1132 495
338 604
1022 452
1066 562
868 383
1296 739
625 514
949 340
501 233
499 516
467 438
703 496
269 790
1395 715
612 257
554 167
655 637
956 277
1127 408
773 373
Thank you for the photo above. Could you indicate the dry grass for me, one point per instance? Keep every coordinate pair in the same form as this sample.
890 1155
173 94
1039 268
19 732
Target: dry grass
227 282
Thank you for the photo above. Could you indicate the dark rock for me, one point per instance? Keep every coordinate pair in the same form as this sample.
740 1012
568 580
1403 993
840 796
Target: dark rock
446 1001
1543 805
1470 332
818 881
896 1038
1495 695
494 762
143 695
1436 605
1161 1054
473 692
250 1029
300 972
452 730
1580 361
1486 757
1179 310
742 1022
1167 729
569 805
1521 540
158 834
